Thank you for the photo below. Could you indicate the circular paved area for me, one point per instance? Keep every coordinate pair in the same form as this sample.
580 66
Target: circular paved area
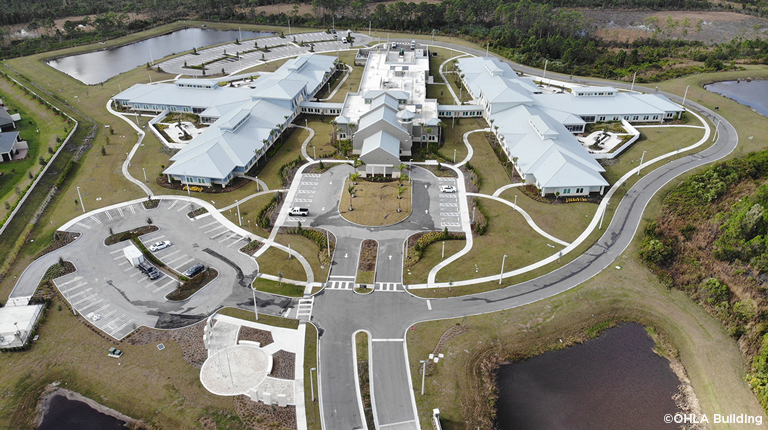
249 366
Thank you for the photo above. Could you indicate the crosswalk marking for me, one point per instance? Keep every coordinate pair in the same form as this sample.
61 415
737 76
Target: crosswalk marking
306 191
133 211
449 214
302 200
387 286
304 310
340 285
309 183
120 211
449 205
450 224
447 179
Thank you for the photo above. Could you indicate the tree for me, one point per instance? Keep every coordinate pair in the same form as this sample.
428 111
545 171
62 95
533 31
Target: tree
351 191
353 177
400 169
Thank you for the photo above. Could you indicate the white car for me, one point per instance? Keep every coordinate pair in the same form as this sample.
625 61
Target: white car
159 245
298 212
447 189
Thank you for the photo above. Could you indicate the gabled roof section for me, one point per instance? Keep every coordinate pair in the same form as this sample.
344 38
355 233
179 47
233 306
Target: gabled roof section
5 117
381 113
399 95
561 170
7 140
384 99
382 140
406 114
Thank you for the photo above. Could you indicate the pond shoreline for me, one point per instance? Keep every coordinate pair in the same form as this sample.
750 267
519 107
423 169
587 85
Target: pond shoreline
53 390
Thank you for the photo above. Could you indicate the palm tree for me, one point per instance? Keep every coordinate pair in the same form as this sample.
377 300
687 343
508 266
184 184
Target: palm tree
353 177
400 169
351 191
400 190
333 131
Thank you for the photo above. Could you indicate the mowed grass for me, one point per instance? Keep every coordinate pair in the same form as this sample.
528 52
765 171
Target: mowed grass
137 384
309 250
312 408
247 314
249 211
320 145
275 287
275 262
352 83
453 133
39 126
375 203
564 221
289 151
441 93
657 141
487 164
433 255
509 234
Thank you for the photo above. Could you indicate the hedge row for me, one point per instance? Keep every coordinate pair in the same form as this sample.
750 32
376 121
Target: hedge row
315 235
262 219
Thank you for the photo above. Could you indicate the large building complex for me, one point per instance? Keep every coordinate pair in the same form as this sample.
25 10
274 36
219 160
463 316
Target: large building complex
244 122
391 112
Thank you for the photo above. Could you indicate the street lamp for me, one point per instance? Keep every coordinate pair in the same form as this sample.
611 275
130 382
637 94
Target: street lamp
81 199
145 174
186 181
641 163
501 275
255 308
686 95
312 382
423 374
602 217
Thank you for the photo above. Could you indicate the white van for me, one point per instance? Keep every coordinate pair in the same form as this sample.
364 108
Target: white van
343 40
413 44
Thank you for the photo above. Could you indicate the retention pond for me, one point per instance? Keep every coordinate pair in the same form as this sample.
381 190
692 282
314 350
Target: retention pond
96 67
750 93
613 382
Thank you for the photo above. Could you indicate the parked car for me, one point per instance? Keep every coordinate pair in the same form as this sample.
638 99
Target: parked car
394 45
194 270
298 212
148 269
343 40
157 246
447 189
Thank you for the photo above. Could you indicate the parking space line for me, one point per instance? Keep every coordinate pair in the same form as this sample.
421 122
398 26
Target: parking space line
109 314
175 202
85 291
120 328
228 237
125 270
109 324
116 251
123 263
108 215
182 264
169 254
136 274
84 299
120 211
76 286
182 208
217 235
143 279
153 239
94 304
215 228
168 263
212 222
238 240
83 225
76 278
93 217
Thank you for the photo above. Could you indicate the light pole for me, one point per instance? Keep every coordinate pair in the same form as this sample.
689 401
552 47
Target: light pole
255 308
473 213
641 163
186 181
515 201
686 95
443 256
501 275
423 374
314 152
81 199
305 123
454 156
239 218
145 174
632 88
369 29
312 382
602 217
544 76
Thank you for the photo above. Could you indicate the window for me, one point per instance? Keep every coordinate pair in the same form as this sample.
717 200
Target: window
566 191
423 137
645 118
432 137
201 180
655 117
634 118
579 190
602 118
342 135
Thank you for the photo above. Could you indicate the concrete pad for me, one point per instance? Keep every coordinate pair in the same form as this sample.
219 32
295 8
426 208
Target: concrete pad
234 370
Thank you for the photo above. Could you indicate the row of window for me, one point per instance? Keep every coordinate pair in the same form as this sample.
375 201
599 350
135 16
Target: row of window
578 191
465 113
319 111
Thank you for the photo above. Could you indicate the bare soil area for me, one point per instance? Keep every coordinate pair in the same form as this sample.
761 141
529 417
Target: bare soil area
716 27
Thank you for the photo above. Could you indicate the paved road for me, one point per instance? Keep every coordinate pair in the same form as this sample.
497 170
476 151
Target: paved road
388 316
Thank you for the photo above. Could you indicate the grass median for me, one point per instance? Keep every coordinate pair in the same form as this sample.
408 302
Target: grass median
375 203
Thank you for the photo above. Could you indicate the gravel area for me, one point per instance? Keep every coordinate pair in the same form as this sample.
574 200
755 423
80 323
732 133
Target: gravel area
283 365
189 338
255 335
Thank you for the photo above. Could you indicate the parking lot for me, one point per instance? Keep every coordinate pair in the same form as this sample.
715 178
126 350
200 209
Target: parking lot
278 48
117 297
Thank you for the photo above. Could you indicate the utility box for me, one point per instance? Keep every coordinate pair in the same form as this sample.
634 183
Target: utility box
133 255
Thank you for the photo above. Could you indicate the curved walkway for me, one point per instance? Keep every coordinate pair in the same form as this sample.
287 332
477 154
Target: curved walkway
525 215
259 183
470 150
341 84
254 195
445 80
306 141
498 192
127 161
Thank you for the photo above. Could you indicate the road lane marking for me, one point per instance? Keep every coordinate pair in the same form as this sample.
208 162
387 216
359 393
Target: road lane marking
429 305
387 340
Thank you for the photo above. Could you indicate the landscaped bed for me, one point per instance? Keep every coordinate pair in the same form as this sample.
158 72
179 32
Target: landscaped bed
191 286
376 203
366 268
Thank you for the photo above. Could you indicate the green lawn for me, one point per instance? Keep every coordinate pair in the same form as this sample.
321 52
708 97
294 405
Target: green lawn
247 314
487 164
453 133
509 234
275 287
275 261
418 273
312 408
353 81
288 152
309 250
441 93
564 221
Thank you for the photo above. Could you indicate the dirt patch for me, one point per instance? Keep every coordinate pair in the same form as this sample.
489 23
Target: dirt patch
255 335
190 339
707 27
283 365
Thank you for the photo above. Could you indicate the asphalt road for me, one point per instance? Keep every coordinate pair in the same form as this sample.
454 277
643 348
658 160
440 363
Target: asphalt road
387 316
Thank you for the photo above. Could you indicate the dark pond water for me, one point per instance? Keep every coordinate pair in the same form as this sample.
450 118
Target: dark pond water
753 94
65 414
613 382
95 67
